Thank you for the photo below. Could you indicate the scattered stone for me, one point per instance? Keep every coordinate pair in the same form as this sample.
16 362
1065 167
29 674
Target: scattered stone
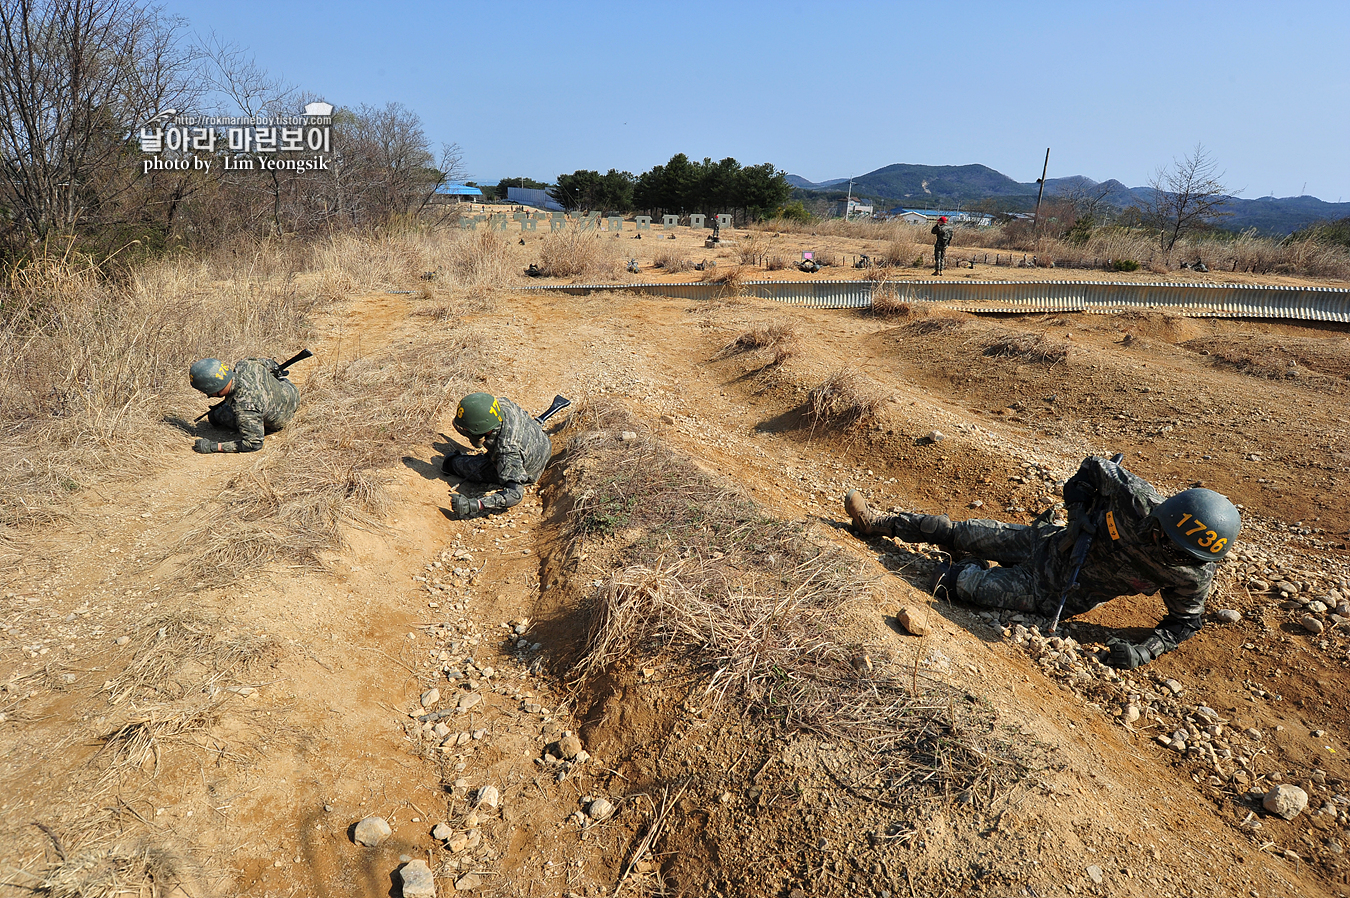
488 797
1130 714
599 809
1258 585
667 419
372 831
1285 801
1228 616
1312 624
936 436
417 880
628 436
442 831
468 700
569 746
1286 586
122 640
1173 685
913 620
430 697
1095 874
468 882
1317 607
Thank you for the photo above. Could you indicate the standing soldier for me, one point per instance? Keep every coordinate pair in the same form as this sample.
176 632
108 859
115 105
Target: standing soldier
517 451
943 232
1140 543
259 399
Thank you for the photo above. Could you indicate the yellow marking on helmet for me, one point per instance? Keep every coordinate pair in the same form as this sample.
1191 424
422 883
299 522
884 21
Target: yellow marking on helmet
1111 525
495 413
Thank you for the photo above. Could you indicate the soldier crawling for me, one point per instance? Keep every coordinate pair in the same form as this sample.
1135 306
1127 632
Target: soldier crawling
1140 543
259 399
517 450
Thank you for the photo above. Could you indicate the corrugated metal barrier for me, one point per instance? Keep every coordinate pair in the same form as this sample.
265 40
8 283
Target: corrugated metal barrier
1192 300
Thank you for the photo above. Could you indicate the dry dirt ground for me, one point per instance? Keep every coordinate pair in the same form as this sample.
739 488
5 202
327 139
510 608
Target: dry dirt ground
200 741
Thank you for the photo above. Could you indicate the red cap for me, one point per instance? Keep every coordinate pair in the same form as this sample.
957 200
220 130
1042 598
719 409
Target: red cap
942 218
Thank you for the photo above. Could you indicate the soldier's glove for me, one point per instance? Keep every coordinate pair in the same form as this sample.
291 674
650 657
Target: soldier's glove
205 446
465 508
1128 655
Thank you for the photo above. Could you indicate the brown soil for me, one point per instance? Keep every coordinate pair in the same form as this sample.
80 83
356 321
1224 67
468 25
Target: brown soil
284 706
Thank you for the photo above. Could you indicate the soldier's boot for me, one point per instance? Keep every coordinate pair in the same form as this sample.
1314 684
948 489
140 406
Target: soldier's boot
911 528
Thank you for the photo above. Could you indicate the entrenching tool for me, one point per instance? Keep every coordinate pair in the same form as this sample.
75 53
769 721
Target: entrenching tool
1079 555
560 402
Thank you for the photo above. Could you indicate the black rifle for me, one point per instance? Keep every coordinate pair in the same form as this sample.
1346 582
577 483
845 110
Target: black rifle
281 372
1080 550
560 402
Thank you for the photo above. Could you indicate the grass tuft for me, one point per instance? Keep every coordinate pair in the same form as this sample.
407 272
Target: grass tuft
845 401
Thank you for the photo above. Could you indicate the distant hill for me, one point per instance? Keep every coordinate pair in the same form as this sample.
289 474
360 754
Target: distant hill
799 181
953 186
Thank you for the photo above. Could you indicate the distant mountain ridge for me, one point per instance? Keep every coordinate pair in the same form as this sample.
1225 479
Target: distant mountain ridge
951 186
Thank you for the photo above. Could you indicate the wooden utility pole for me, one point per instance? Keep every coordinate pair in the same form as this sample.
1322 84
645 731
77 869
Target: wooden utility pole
1036 221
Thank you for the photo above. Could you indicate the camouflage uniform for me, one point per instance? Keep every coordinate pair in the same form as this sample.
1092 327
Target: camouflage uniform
1035 565
516 455
944 234
260 401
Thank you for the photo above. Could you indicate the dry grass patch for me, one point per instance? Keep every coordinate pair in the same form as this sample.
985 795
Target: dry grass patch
844 402
759 615
578 254
780 338
329 469
669 260
92 363
1026 347
115 872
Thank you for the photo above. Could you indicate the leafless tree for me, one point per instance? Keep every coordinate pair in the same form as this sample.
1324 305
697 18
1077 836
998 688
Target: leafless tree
388 162
240 86
77 78
1186 196
1087 199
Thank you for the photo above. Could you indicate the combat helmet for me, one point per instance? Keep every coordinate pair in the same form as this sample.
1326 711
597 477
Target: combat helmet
210 376
477 415
1202 523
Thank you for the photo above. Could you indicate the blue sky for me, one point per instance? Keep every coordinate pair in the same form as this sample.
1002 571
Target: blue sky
829 90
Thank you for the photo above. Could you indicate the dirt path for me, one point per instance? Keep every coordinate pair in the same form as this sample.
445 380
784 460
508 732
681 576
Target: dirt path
309 723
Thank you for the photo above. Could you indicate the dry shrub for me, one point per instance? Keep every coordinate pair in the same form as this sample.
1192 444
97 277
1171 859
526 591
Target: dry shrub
844 401
362 263
780 338
329 469
480 259
754 248
775 262
730 280
828 258
574 253
669 260
760 615
91 365
889 301
901 253
936 323
1027 347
